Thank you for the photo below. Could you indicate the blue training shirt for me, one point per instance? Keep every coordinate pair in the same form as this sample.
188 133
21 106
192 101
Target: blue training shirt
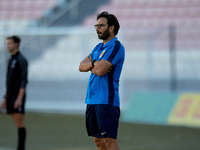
105 89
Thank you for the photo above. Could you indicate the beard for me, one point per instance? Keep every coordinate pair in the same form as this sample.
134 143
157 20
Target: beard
104 35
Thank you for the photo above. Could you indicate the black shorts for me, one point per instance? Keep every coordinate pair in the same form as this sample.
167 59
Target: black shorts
102 120
10 102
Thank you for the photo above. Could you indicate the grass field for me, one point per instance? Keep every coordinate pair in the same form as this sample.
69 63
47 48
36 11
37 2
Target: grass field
47 131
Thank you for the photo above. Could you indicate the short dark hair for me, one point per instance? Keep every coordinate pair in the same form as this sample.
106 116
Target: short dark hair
111 20
15 38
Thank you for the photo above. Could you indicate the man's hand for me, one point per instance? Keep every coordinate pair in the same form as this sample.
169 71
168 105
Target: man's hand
18 104
86 64
3 104
101 67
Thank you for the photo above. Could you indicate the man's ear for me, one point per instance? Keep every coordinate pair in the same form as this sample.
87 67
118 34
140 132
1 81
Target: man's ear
111 28
17 45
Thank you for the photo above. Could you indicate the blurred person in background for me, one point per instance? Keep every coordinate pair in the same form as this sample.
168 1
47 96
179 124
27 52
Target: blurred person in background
16 80
105 63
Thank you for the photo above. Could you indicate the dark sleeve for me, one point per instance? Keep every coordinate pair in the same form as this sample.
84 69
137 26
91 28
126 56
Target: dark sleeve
24 72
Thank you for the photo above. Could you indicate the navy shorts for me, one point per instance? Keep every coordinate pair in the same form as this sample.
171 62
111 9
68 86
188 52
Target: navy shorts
10 102
102 120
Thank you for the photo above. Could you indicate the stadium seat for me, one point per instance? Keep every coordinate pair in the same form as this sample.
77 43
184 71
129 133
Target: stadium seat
23 9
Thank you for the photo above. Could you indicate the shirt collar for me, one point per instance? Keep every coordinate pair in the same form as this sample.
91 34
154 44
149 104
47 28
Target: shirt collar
13 56
110 42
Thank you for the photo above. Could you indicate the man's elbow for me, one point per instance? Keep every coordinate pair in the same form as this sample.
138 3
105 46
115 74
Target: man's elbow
82 68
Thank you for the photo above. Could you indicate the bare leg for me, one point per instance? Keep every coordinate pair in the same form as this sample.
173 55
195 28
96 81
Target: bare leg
18 119
19 122
99 143
111 143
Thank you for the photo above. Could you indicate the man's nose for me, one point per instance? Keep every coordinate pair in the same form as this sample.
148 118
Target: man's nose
97 29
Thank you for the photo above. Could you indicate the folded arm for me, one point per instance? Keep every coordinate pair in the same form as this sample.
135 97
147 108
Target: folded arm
86 64
101 67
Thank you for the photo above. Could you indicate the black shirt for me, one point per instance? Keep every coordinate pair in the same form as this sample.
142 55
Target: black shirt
16 74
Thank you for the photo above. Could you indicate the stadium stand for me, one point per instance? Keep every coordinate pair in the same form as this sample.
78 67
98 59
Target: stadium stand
16 16
149 21
24 9
55 49
145 25
144 29
155 13
61 61
70 13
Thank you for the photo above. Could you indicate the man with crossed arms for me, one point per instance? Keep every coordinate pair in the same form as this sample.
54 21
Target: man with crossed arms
105 63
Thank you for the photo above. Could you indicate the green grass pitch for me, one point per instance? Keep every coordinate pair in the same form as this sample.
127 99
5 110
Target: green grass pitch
47 131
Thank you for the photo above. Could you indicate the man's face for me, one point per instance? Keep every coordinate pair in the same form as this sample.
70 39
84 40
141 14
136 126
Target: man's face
102 28
11 45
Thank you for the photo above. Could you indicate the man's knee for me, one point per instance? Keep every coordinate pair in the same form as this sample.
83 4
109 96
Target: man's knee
19 123
98 142
107 142
110 142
